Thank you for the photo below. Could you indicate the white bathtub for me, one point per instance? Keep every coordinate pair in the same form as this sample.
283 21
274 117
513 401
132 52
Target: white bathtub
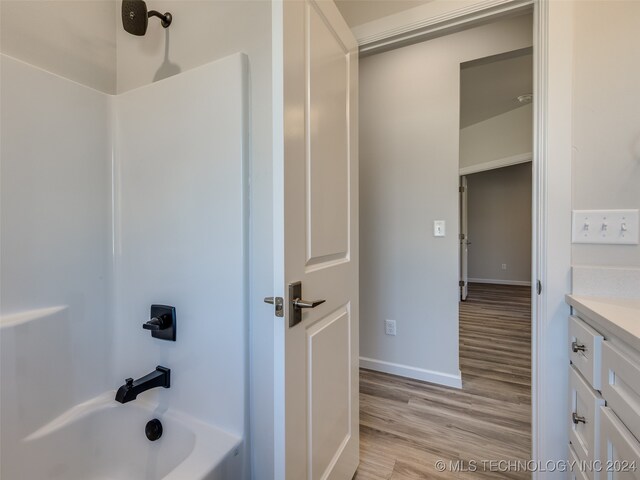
103 439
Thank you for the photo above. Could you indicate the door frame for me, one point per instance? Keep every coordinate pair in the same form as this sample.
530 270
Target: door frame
463 238
551 242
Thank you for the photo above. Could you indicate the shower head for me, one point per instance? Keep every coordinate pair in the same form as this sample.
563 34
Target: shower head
135 17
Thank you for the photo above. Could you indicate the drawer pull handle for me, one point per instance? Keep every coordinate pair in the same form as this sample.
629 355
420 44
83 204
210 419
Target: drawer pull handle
577 419
576 347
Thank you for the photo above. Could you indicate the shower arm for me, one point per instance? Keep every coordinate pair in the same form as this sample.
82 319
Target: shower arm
166 18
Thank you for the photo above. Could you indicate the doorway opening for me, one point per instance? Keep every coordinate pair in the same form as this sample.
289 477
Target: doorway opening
496 144
425 396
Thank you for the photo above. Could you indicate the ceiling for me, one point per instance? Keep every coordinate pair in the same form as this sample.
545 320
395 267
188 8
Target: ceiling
490 86
357 12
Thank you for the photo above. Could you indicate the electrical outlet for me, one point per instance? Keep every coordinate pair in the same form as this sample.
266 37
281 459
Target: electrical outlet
504 266
390 327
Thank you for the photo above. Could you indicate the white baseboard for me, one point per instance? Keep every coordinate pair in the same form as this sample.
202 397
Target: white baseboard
520 283
430 376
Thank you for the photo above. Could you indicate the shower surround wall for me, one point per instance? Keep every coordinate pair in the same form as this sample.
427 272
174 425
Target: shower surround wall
85 42
180 237
55 328
110 204
202 32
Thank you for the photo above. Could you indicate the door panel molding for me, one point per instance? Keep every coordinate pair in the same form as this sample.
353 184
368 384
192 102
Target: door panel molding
327 235
321 327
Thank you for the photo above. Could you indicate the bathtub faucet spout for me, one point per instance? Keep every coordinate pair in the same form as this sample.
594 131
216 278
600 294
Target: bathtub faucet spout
160 377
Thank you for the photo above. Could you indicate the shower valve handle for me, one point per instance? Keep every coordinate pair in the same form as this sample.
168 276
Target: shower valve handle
155 324
162 323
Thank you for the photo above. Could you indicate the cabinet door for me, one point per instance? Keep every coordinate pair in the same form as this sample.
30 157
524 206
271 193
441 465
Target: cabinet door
621 385
585 350
584 419
575 472
619 450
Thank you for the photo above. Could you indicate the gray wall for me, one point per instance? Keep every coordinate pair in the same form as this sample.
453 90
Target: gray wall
409 144
499 223
505 135
606 119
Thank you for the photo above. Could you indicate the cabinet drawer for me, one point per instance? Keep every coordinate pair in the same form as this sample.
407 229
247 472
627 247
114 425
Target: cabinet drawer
584 418
619 450
621 386
585 346
575 472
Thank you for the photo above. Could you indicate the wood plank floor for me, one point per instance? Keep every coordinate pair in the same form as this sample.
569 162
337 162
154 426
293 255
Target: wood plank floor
407 425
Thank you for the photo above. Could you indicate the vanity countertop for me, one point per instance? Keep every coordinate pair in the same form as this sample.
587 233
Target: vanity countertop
620 316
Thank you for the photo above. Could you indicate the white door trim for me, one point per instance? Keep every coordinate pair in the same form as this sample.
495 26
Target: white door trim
551 252
463 240
538 223
551 245
277 79
429 20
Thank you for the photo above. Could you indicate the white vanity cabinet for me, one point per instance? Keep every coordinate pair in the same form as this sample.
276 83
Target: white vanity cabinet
620 450
604 388
584 413
586 350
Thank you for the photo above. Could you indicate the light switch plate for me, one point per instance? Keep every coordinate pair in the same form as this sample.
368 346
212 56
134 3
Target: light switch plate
614 227
438 228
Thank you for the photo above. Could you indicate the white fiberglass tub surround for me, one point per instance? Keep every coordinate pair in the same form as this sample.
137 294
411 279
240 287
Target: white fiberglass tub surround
101 439
111 204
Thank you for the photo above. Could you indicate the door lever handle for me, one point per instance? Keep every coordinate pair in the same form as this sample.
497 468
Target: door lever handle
300 303
577 419
576 347
297 304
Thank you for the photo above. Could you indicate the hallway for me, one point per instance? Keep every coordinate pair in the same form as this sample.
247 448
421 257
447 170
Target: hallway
406 426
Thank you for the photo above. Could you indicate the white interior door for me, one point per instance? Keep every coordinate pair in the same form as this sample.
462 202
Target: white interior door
316 219
464 240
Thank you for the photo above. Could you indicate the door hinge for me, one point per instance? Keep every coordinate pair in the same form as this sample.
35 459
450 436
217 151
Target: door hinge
461 283
461 189
539 287
279 305
462 236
